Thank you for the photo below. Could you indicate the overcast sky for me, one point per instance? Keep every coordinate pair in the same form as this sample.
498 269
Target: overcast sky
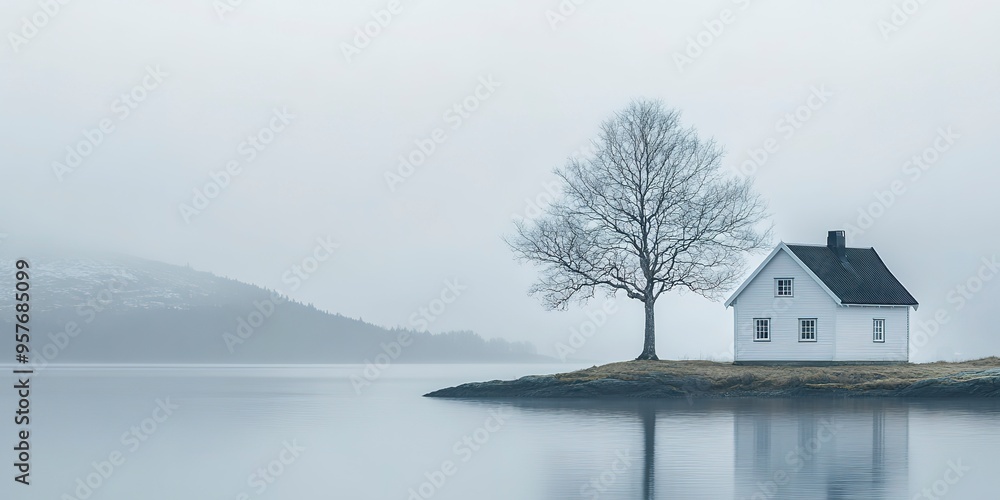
870 90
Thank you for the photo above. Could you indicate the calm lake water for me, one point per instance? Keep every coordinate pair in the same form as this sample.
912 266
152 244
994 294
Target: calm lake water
305 433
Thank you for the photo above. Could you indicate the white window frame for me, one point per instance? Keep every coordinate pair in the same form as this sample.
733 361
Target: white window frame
815 329
791 287
878 330
757 322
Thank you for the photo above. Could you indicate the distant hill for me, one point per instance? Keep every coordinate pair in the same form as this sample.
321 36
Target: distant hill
128 310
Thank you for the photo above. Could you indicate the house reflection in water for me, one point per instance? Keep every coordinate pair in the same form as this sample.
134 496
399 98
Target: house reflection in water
855 449
745 449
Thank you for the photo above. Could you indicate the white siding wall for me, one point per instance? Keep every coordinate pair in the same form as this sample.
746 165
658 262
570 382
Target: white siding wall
854 334
810 301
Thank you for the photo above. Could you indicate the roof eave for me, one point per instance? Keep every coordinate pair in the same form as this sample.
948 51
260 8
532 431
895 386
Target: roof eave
746 282
914 305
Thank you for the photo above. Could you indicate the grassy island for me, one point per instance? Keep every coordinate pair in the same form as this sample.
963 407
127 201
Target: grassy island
707 379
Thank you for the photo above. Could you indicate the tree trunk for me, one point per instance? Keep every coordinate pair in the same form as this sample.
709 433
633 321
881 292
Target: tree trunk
649 345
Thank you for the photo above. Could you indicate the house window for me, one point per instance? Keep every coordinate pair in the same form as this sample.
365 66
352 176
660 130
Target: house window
807 330
762 329
878 330
783 287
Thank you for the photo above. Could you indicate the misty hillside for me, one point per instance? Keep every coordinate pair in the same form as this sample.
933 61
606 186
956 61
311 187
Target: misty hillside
128 310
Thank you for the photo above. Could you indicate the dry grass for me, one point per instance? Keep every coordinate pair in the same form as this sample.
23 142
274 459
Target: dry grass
726 375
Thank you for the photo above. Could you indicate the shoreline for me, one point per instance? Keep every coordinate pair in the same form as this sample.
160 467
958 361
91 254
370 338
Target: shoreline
707 379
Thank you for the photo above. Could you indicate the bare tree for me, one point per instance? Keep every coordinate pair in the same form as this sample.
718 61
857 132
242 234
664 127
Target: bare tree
648 212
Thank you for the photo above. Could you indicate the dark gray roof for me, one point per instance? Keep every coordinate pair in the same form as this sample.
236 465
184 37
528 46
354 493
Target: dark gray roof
861 278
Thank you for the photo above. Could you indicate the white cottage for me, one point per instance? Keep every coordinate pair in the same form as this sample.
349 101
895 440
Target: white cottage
822 304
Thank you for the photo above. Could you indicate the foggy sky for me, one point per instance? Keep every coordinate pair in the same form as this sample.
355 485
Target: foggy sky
211 81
